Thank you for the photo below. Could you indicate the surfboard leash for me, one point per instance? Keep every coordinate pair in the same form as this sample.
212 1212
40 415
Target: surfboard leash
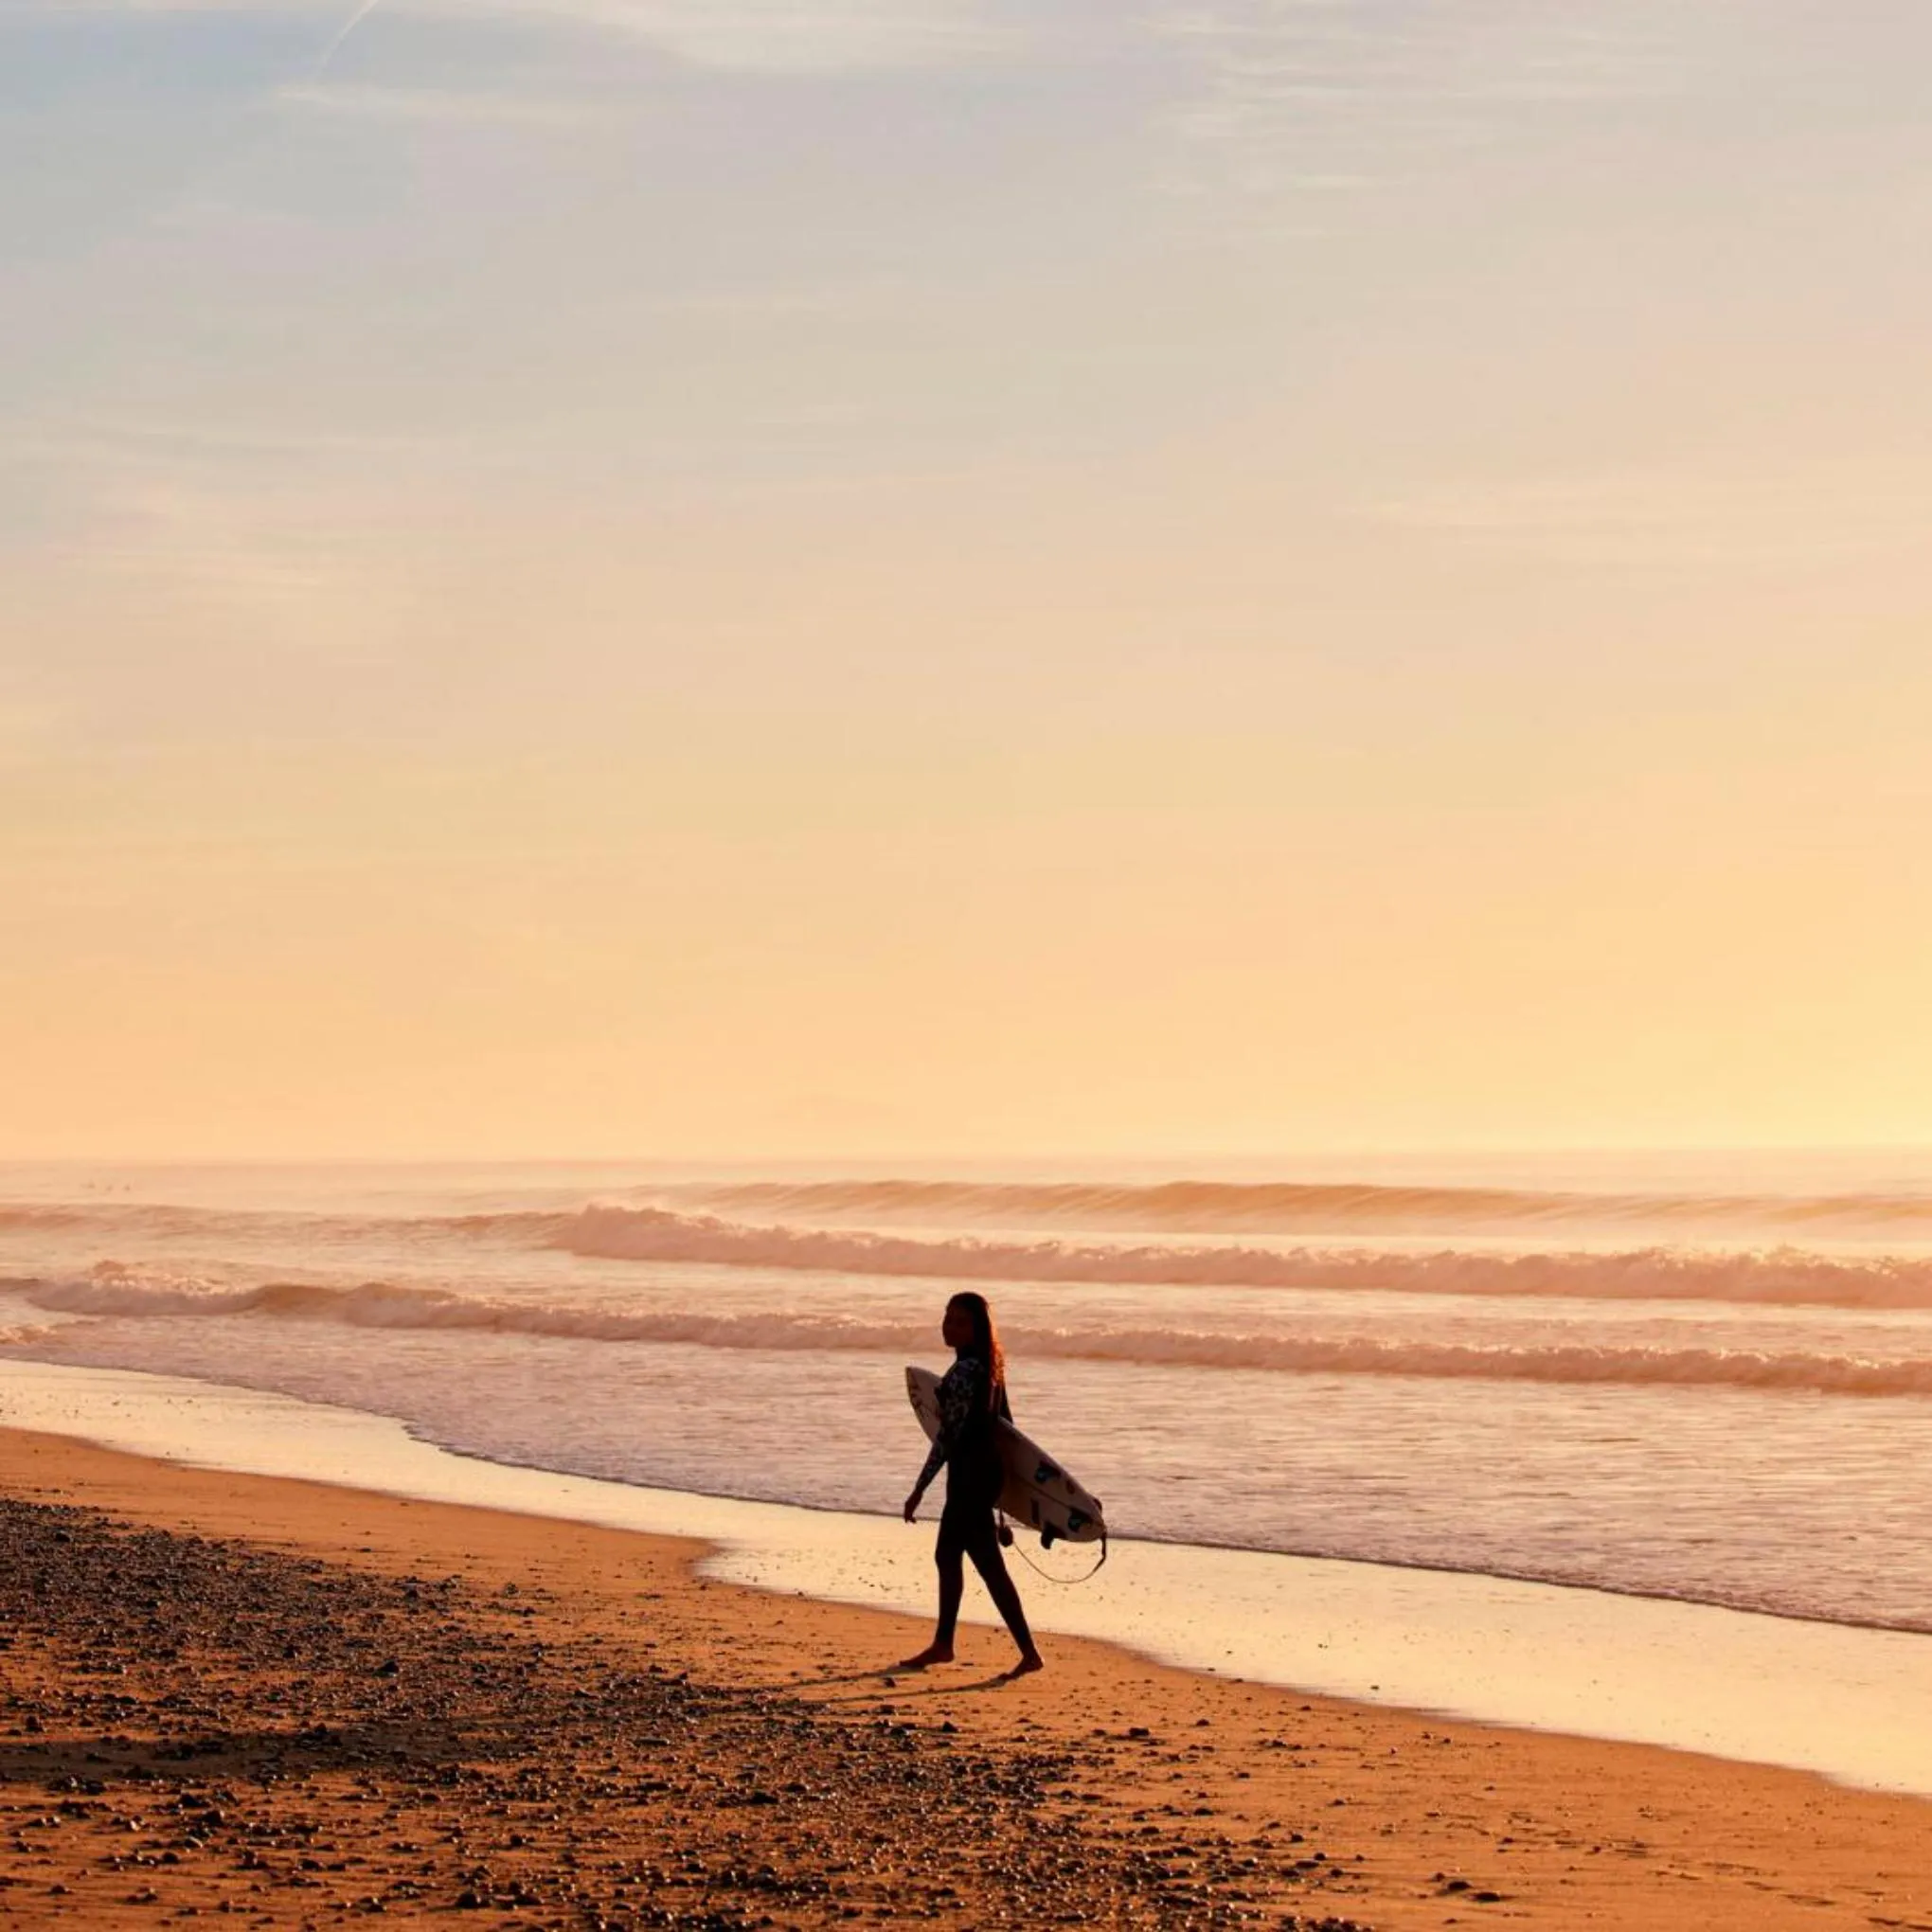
1085 1577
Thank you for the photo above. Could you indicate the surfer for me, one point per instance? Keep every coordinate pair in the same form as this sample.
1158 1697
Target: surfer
972 1397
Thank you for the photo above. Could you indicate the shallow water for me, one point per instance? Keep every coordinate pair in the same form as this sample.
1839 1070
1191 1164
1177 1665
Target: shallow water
1847 1703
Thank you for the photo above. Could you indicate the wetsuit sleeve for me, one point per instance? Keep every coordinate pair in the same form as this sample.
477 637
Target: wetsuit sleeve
962 1390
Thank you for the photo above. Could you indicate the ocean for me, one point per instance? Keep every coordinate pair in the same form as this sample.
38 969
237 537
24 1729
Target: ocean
1699 1377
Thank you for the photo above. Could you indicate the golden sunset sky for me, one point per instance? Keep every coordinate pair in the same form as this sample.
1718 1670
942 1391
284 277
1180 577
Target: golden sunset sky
754 577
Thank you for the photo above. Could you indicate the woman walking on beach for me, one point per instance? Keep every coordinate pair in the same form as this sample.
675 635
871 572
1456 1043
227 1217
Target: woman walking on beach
973 1397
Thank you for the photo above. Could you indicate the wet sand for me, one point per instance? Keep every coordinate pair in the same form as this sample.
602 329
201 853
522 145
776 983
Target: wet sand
297 1703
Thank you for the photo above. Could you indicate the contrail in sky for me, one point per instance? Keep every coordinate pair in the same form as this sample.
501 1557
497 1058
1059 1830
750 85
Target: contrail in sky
355 20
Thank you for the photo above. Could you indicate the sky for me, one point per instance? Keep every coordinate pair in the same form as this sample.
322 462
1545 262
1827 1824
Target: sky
696 578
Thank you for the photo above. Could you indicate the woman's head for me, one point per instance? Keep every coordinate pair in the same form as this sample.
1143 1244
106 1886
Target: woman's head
969 1328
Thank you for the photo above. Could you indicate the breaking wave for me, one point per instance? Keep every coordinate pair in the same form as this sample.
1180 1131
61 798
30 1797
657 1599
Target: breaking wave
1212 1208
117 1292
1289 1206
1668 1269
1783 1276
167 1221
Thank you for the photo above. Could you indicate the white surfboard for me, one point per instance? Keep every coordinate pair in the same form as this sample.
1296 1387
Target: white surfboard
1037 1491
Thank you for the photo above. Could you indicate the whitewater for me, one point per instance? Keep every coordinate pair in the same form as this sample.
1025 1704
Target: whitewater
1701 1378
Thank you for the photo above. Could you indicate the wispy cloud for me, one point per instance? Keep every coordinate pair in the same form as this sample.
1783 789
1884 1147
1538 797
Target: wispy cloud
795 35
438 106
242 524
1832 509
1291 94
363 9
758 36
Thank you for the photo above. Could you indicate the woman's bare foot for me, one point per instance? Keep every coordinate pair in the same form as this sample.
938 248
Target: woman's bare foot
932 1653
1030 1661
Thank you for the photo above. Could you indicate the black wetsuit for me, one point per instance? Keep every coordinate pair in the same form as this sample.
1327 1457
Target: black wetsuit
966 1448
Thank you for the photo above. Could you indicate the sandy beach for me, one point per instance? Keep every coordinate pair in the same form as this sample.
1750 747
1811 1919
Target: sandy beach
1171 756
235 1694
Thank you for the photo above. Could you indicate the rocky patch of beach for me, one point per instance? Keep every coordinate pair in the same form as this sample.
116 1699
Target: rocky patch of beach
195 1725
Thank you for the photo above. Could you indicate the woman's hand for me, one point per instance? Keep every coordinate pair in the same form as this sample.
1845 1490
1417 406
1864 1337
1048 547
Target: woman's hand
912 1505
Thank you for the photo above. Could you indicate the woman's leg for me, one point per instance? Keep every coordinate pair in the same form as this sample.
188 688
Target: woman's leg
949 1555
983 1547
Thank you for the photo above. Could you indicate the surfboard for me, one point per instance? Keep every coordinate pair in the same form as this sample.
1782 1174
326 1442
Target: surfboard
1038 1492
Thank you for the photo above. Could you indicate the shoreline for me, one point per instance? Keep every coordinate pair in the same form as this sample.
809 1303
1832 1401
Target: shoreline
776 1763
1844 1701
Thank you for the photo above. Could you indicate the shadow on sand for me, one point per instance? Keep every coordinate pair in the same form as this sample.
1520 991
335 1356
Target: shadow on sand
95 1759
890 1682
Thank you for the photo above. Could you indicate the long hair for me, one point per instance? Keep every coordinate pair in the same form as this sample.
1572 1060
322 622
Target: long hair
985 1341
